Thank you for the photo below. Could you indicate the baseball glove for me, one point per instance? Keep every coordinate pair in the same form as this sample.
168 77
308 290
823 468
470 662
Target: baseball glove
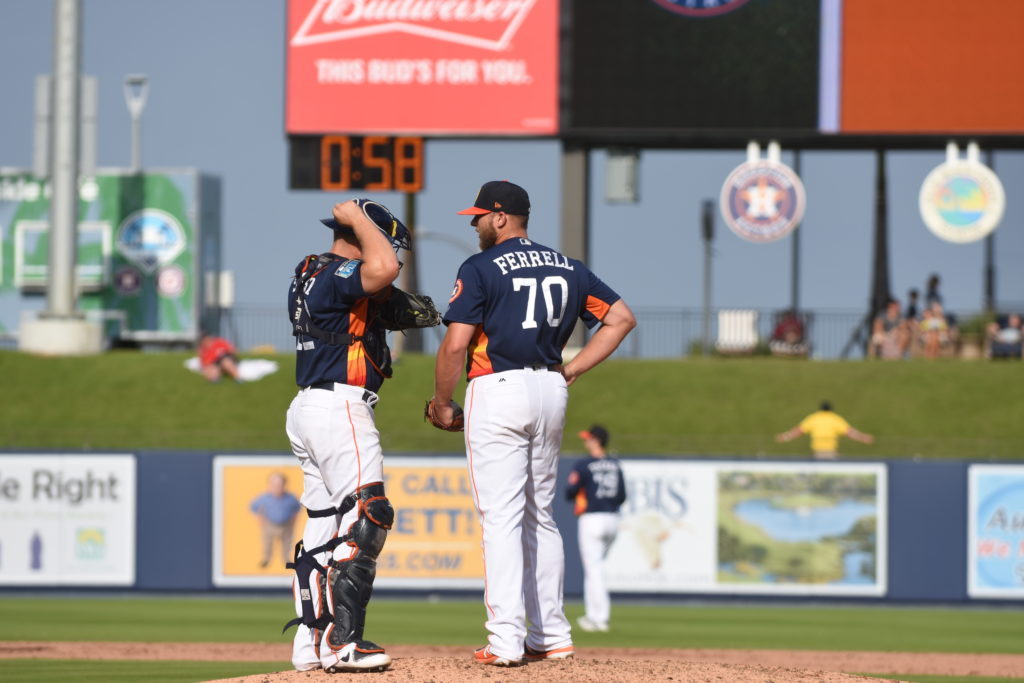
407 310
458 419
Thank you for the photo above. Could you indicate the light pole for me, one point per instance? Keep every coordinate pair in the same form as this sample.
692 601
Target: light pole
136 88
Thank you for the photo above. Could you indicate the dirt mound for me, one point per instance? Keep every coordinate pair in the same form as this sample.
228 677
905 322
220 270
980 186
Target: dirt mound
579 670
448 663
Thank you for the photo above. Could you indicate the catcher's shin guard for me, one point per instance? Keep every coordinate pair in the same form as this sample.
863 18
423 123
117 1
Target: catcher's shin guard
350 580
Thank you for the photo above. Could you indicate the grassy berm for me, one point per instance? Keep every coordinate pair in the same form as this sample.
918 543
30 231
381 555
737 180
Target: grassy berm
917 409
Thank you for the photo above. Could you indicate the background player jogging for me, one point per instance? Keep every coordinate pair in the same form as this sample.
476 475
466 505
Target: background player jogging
597 490
511 313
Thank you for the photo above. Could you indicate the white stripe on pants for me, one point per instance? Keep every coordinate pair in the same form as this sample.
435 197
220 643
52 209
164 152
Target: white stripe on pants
514 424
334 436
597 531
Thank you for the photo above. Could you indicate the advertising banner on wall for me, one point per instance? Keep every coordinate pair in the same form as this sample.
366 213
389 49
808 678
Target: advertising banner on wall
771 528
139 252
422 66
67 520
995 531
433 543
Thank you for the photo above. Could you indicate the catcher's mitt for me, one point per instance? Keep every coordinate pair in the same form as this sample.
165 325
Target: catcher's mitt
406 310
458 419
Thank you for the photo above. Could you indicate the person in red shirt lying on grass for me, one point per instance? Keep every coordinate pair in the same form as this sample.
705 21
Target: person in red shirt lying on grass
217 357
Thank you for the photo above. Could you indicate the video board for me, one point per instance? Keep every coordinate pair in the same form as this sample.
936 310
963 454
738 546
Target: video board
640 64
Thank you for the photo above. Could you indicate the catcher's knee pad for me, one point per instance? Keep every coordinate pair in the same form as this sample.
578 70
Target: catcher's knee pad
350 580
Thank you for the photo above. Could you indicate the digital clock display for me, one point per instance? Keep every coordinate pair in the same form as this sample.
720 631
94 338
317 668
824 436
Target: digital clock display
356 162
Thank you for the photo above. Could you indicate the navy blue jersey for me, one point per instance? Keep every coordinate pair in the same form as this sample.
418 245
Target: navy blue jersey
596 485
337 303
525 299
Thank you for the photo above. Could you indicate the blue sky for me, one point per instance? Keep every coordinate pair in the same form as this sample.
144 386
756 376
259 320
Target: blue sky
216 69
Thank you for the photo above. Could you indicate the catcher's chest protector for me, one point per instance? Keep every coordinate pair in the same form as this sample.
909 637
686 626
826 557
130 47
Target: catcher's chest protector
374 339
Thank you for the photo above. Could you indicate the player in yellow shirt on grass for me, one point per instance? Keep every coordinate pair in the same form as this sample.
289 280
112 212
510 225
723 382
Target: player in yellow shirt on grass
825 427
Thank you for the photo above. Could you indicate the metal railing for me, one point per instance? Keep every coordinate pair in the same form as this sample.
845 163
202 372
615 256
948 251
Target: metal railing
660 332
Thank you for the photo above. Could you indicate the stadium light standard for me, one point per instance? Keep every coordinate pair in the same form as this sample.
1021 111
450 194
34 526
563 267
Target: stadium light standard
136 89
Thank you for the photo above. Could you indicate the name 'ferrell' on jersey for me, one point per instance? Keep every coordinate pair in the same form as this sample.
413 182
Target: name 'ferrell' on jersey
524 320
531 259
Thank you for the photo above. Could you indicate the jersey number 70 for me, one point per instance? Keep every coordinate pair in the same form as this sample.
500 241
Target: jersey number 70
546 285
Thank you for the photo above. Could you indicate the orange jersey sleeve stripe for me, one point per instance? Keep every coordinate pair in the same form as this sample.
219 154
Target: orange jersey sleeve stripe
598 308
356 353
581 502
479 361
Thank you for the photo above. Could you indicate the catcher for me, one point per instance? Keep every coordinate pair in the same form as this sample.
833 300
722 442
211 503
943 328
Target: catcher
342 303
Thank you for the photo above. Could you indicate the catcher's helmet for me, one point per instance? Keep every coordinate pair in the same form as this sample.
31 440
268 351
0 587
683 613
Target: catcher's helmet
387 222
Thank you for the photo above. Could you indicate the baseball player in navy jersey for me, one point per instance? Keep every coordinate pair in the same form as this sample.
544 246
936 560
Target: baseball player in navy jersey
342 360
597 489
512 311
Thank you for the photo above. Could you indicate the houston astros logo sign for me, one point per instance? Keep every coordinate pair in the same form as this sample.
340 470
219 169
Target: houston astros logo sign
762 200
700 8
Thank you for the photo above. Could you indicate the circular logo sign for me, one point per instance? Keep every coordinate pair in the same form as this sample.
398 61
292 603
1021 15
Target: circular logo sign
962 201
127 280
170 282
701 8
762 201
150 238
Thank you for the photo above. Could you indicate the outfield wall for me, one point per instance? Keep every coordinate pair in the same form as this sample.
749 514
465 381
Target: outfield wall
877 531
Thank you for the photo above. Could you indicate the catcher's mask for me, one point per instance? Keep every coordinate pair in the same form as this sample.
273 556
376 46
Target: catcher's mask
386 222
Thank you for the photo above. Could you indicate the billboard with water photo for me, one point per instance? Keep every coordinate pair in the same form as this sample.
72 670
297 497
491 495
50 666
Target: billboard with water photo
758 528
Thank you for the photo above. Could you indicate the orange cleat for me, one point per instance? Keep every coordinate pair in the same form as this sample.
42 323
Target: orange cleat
485 656
532 655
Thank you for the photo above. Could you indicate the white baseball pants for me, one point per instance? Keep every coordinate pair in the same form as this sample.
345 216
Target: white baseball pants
334 436
597 531
514 424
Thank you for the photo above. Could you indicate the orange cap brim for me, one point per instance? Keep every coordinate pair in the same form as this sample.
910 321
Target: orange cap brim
473 211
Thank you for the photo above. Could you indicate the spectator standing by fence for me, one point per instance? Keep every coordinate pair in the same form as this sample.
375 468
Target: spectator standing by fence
912 301
931 293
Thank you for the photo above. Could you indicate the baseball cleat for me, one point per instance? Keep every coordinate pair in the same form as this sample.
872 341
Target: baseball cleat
359 656
588 624
532 655
485 656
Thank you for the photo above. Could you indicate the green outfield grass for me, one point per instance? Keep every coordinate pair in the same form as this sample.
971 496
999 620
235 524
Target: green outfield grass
134 401
460 622
94 671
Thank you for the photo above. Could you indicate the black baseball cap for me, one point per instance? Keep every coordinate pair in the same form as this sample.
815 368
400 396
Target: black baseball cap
596 432
500 195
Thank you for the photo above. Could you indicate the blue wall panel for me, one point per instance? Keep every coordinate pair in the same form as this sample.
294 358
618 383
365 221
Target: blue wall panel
927 531
174 530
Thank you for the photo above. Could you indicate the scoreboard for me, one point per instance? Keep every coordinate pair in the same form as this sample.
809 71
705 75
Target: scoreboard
710 73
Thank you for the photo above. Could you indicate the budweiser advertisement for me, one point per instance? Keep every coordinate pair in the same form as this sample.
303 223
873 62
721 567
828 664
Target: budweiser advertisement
447 67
